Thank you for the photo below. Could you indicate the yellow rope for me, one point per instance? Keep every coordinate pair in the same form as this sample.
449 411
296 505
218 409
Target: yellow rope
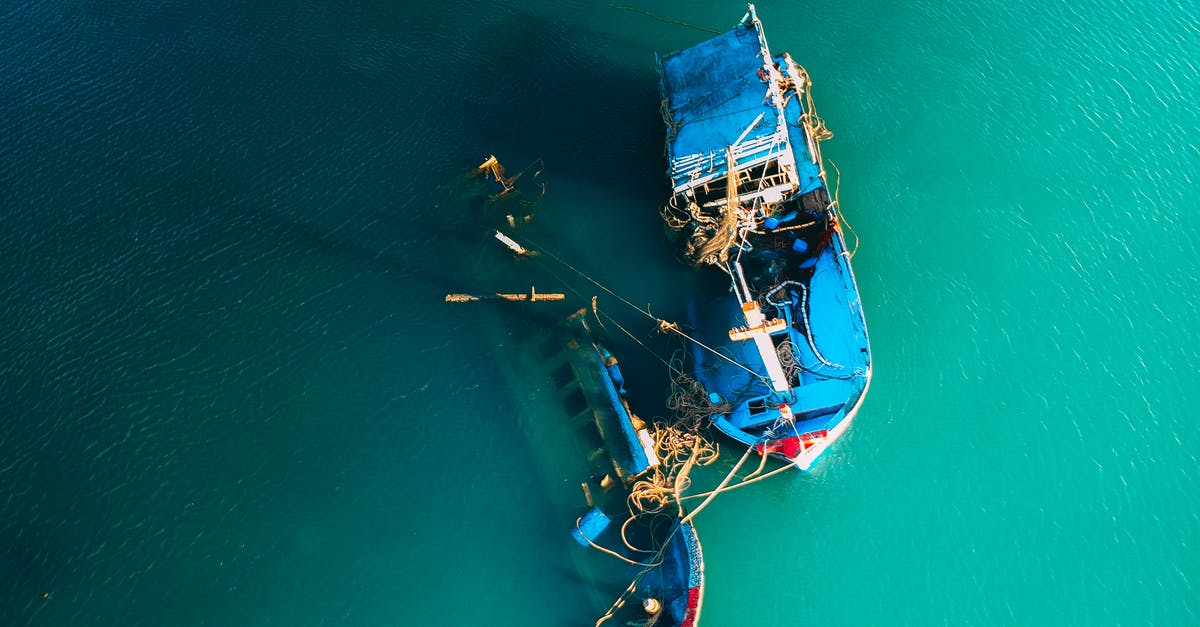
620 599
837 206
661 486
719 488
596 311
818 130
682 451
614 553
625 537
672 444
745 481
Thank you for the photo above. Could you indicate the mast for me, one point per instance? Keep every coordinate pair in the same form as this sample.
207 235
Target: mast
759 329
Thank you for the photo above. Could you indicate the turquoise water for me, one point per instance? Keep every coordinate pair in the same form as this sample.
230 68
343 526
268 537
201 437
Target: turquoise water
230 393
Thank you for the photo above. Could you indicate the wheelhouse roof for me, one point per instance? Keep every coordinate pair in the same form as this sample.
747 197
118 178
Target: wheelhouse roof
716 92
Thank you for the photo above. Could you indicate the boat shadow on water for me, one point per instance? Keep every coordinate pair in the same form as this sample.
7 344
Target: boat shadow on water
547 89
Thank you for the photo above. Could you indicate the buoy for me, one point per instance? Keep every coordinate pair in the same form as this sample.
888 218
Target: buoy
785 412
652 606
590 526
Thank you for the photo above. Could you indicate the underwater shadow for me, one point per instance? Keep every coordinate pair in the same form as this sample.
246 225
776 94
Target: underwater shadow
547 91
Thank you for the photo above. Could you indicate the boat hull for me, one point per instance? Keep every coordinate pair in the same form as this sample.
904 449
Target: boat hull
783 348
676 581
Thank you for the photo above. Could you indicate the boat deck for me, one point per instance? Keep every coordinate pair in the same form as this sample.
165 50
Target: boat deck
716 92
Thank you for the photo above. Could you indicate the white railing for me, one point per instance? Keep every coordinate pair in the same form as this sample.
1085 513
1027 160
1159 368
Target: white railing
697 169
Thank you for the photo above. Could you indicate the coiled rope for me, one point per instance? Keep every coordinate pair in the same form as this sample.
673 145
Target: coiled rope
660 487
680 452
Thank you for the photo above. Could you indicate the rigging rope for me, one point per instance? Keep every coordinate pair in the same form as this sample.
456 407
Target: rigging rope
663 19
678 452
837 207
820 132
719 488
662 324
662 485
675 445
608 551
688 400
747 480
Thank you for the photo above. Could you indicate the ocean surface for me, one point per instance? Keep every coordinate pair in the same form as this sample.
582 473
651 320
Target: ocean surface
231 392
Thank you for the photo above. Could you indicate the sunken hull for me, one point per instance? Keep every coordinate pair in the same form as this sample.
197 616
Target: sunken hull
668 570
786 355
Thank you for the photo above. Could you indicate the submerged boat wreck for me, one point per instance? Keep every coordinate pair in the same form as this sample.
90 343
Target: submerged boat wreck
614 483
630 514
785 353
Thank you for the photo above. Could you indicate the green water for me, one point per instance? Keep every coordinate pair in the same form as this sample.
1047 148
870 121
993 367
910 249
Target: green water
230 393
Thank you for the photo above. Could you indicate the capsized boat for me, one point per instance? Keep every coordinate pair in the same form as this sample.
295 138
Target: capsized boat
785 352
660 547
605 472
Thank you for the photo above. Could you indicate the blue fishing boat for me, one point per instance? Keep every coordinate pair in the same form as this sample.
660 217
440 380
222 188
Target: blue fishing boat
657 543
783 350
